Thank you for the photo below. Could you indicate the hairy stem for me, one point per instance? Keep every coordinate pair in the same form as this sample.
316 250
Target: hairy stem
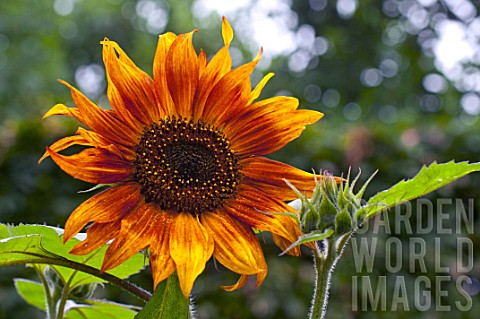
324 263
325 260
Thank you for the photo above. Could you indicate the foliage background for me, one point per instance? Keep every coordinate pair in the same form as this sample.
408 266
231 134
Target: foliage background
373 70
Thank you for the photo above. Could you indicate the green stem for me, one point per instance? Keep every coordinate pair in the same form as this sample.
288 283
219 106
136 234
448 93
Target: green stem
324 265
123 284
50 304
63 302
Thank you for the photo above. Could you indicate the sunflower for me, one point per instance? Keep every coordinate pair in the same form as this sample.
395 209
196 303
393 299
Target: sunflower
182 158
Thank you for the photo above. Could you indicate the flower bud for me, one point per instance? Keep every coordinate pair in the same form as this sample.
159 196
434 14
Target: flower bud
333 206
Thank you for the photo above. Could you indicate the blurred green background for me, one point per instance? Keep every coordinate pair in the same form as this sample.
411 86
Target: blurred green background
397 80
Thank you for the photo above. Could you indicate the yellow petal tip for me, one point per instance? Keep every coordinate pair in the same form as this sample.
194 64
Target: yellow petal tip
227 31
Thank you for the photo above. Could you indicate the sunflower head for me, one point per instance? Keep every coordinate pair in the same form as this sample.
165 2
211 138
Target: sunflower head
195 158
182 155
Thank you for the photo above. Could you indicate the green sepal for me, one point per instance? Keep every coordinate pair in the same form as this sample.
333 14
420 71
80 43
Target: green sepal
310 221
343 222
327 212
310 237
329 189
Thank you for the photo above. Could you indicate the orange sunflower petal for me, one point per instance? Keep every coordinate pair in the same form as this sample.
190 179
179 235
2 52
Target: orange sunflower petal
270 175
202 62
284 228
239 284
236 246
270 132
215 70
88 138
61 109
182 74
97 235
136 233
220 65
263 212
227 31
243 281
65 143
161 262
219 106
159 74
190 248
93 165
130 90
258 89
98 141
109 205
246 116
293 230
101 121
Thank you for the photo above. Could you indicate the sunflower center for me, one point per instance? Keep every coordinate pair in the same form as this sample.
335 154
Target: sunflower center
185 166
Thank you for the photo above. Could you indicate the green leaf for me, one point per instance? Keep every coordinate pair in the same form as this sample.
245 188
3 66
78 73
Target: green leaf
3 231
22 250
168 302
429 178
315 235
94 309
32 292
43 244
